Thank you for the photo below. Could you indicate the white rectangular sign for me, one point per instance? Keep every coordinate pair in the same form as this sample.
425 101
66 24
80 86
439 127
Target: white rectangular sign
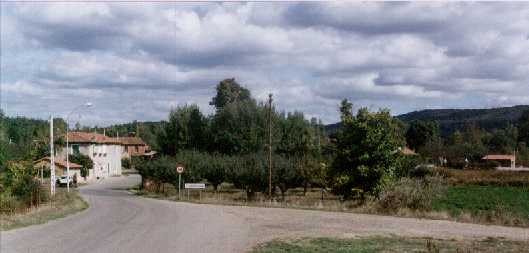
195 186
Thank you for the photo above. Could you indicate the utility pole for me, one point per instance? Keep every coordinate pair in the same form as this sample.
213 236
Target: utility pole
52 160
270 146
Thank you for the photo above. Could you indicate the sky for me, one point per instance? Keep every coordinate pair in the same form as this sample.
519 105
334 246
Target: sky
136 61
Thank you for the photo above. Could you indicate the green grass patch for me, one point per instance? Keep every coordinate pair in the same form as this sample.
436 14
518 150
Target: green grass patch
62 205
388 244
503 204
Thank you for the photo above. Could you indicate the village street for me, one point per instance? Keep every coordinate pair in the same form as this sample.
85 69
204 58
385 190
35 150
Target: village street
120 222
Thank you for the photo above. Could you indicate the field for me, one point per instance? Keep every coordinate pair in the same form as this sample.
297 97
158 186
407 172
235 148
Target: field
486 204
61 205
486 197
388 244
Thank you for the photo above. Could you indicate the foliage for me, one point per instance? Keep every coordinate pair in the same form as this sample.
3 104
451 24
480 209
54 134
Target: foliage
126 163
84 161
406 165
285 173
420 133
451 120
147 131
239 128
229 91
366 153
186 129
249 172
18 179
414 194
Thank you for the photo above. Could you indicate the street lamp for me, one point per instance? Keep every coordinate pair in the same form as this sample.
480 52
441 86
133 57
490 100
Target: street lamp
88 104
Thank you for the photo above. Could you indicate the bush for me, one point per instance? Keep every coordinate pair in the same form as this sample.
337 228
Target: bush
126 163
84 161
28 191
405 165
414 194
420 171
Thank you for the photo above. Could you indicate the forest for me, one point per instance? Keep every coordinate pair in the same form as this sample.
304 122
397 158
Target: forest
232 144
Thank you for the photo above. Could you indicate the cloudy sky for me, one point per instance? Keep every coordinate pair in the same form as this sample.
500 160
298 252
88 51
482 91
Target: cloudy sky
137 60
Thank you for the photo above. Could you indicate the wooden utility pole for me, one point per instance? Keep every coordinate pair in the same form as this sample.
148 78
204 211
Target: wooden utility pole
270 146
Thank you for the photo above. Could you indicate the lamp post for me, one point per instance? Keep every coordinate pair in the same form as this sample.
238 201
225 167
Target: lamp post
67 144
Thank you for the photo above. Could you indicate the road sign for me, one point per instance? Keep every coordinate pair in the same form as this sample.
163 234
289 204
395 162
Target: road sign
179 168
194 186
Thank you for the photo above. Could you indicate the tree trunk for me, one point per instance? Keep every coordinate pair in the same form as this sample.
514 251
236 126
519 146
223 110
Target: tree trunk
250 195
283 191
305 186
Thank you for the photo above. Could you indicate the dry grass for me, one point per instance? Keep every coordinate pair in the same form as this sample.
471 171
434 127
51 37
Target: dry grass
61 205
389 244
484 177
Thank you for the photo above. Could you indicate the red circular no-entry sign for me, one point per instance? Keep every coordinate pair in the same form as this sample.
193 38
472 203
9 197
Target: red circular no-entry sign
179 168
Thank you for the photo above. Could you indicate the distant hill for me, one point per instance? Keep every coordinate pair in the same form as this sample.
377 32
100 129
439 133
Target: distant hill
451 120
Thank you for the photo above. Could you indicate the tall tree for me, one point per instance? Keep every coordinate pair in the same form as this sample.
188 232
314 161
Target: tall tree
523 127
184 130
366 153
421 132
229 91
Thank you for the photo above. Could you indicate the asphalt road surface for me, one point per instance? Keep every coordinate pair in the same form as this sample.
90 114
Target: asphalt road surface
120 222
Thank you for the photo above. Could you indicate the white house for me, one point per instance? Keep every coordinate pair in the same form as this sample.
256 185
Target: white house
104 151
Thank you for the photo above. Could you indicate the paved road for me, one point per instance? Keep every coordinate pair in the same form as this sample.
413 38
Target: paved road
119 222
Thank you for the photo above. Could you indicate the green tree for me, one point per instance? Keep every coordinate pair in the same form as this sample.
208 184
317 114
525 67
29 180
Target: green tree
239 128
84 161
249 172
366 153
285 175
229 91
523 127
186 129
421 132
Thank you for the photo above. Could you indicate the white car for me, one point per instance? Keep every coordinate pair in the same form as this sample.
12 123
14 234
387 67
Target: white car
63 181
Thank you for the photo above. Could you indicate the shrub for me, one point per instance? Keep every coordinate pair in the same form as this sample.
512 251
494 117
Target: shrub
405 165
414 194
84 161
28 191
420 171
126 163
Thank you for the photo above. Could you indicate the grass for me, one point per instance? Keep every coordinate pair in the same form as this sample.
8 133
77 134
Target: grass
62 205
484 177
483 197
488 204
388 244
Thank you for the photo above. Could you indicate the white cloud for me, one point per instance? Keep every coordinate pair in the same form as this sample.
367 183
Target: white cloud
137 60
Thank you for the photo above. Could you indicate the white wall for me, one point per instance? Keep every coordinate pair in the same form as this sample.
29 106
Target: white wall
106 158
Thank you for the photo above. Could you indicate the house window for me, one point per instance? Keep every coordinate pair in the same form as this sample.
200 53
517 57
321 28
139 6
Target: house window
137 150
75 149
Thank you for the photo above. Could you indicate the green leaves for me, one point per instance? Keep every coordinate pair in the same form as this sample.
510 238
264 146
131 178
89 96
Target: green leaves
366 152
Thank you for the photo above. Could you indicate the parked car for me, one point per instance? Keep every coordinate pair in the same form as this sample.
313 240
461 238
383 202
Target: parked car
63 181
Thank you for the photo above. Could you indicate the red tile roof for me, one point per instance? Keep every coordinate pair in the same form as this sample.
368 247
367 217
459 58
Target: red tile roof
408 151
60 163
83 137
498 157
131 141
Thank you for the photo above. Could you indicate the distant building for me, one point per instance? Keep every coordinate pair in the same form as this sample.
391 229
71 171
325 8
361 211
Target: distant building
407 151
60 168
134 146
509 160
104 151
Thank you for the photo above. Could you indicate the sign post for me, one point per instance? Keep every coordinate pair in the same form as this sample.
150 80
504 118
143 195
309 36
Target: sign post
52 160
199 186
179 170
